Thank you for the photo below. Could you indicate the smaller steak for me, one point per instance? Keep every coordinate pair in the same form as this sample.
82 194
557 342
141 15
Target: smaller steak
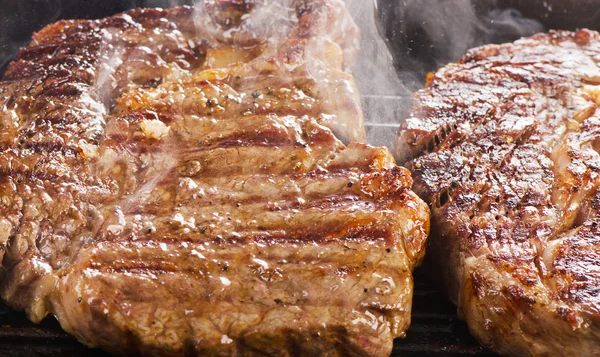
505 147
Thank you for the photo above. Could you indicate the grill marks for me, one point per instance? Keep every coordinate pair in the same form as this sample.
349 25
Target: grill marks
312 180
328 228
46 94
576 269
328 217
212 283
54 107
215 93
211 262
214 206
194 133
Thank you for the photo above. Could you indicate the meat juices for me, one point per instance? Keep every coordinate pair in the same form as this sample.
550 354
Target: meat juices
175 182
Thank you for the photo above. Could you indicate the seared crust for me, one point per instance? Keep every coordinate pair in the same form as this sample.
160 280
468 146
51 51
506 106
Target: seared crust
504 145
171 184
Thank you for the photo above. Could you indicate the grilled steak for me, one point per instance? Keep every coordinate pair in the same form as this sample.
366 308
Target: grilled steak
175 182
505 146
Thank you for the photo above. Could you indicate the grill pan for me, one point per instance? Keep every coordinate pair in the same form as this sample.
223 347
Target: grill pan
435 329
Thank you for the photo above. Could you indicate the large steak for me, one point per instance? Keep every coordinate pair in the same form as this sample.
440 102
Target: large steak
505 146
172 183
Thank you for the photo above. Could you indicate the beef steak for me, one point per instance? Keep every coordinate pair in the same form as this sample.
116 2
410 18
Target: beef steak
505 147
173 182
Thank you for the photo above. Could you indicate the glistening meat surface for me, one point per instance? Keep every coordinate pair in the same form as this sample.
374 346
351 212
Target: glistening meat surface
505 147
172 183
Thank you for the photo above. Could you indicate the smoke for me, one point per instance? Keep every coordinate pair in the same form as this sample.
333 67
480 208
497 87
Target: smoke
425 35
270 20
384 96
169 3
402 40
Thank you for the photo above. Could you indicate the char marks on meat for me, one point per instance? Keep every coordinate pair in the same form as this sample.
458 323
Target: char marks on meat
172 183
505 146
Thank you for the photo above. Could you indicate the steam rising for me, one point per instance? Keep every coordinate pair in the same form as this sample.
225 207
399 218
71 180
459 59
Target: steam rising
423 36
426 35
384 96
